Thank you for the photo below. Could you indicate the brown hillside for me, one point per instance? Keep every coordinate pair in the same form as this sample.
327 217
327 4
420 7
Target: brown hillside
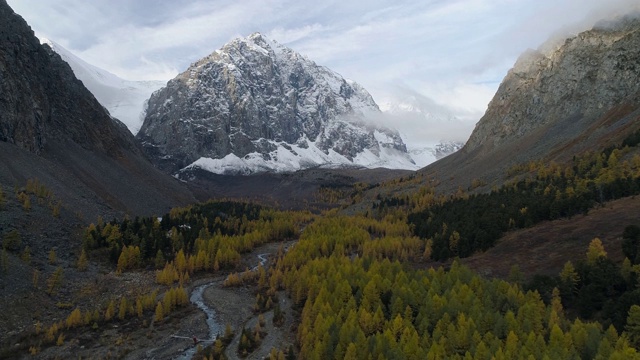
546 247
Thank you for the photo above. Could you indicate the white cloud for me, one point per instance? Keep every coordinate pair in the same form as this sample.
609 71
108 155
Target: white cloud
467 99
453 51
433 114
377 38
286 36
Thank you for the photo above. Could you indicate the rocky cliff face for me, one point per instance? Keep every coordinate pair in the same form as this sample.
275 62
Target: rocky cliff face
42 100
255 105
582 94
578 81
52 128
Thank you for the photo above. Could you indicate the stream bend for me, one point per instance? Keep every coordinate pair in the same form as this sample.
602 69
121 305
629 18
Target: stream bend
213 323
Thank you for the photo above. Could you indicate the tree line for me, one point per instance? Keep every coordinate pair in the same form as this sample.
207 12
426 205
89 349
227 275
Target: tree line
464 224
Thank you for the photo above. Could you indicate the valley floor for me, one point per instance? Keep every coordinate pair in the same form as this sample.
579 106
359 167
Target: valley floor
169 339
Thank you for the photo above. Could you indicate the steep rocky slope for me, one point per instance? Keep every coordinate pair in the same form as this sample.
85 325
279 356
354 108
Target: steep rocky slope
255 105
125 99
581 95
584 78
43 101
52 128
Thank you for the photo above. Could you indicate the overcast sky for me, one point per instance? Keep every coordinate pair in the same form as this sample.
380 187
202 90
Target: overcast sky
454 52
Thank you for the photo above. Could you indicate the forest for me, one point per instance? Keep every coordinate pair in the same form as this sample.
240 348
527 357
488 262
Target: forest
359 297
364 285
396 312
467 223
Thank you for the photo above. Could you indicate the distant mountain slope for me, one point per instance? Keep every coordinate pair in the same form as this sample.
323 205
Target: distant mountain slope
255 105
430 130
125 100
53 128
581 95
426 155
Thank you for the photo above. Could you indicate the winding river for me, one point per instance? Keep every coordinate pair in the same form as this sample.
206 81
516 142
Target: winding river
262 261
215 327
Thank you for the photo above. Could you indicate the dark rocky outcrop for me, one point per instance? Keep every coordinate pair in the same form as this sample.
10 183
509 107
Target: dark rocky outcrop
52 127
42 100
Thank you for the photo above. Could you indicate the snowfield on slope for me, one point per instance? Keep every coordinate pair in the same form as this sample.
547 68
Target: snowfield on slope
297 158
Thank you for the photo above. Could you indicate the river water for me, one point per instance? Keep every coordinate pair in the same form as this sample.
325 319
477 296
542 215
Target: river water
213 323
215 328
262 259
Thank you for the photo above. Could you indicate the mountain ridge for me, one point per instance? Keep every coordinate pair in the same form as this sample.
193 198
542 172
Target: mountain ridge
253 103
52 128
581 95
544 87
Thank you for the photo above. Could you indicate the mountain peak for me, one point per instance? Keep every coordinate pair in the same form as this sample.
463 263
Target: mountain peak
257 36
254 39
260 45
257 105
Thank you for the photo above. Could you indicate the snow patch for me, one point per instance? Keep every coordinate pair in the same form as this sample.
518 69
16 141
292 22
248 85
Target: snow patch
283 160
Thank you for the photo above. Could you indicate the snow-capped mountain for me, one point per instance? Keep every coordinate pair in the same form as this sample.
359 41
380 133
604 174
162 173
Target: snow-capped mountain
125 100
426 155
255 105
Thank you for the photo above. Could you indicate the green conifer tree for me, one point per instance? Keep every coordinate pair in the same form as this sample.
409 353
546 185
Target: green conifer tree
632 327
